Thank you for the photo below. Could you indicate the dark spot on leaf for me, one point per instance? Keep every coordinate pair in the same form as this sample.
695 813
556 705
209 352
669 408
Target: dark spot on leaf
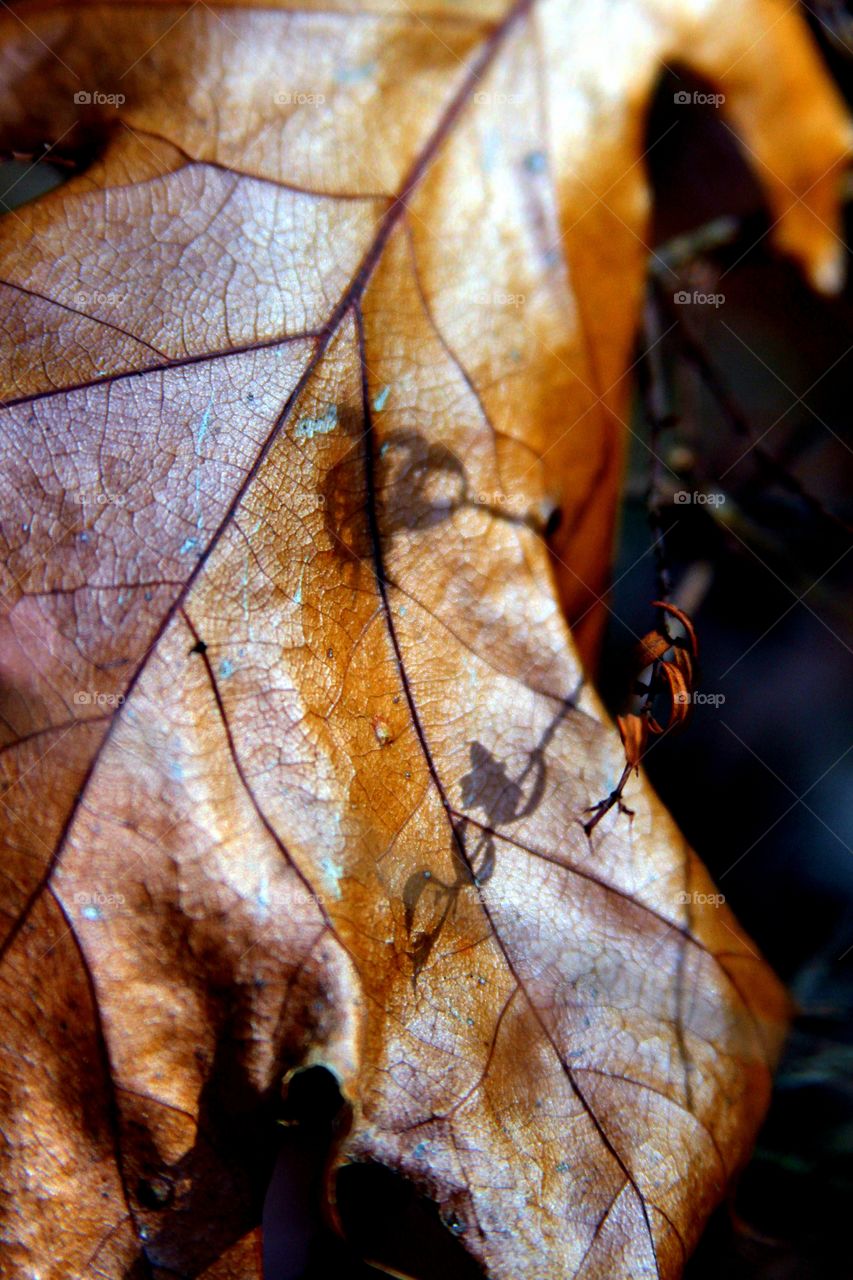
553 522
155 1192
313 1099
385 1219
420 483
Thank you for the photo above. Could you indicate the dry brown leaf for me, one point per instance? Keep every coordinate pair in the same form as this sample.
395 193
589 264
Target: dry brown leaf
296 370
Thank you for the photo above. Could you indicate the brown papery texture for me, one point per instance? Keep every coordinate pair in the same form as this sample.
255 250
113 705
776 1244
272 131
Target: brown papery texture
296 739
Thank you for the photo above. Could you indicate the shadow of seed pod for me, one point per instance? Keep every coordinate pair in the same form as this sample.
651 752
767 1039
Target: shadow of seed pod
419 484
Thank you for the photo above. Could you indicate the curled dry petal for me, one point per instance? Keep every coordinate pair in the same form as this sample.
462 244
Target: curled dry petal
634 732
679 694
686 622
651 649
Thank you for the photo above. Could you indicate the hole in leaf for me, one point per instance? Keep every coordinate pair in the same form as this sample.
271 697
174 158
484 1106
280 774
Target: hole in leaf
312 1116
31 164
687 194
22 181
553 522
388 1228
313 1100
387 1221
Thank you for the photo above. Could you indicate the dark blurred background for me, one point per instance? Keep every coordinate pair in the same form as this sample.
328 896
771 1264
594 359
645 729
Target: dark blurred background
762 782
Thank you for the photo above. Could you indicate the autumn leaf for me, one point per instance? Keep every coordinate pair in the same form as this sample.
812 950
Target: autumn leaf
331 318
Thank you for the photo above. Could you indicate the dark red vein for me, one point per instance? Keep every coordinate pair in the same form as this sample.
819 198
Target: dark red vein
111 1102
350 297
177 362
379 567
205 162
235 759
685 933
75 311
